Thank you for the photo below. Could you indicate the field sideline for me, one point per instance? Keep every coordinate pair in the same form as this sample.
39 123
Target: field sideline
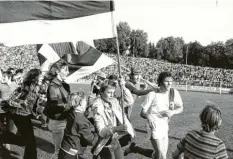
179 125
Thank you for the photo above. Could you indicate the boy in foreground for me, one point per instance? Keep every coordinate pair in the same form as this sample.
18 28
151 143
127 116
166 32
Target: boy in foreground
203 143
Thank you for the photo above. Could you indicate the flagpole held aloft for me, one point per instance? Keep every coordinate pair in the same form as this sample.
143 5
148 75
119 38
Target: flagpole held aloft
119 63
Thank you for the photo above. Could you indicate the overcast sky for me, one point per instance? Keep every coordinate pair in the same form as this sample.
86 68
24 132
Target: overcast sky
194 20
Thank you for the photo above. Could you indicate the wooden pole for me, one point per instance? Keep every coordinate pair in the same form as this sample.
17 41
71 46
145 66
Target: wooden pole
119 67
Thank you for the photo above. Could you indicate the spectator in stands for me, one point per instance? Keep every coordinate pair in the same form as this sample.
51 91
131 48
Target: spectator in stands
203 143
57 108
108 121
20 107
157 109
79 132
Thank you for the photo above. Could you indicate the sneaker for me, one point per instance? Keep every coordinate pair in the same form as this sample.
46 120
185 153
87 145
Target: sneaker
129 149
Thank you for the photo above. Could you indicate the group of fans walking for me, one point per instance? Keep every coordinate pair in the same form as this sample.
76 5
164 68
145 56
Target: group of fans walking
77 120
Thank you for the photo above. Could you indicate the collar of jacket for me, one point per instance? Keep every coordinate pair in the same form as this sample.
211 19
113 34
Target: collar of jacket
57 81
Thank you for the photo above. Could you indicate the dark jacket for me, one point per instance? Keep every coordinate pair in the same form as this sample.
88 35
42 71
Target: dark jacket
57 95
79 132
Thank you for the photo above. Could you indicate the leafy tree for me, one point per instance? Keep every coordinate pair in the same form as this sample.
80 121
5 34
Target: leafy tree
139 47
152 50
123 31
170 49
106 45
195 54
162 47
217 56
109 45
229 52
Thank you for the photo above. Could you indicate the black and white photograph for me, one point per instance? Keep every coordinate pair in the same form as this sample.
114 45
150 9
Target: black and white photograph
116 79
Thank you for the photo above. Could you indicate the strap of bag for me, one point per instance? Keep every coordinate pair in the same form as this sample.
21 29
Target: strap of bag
171 95
62 94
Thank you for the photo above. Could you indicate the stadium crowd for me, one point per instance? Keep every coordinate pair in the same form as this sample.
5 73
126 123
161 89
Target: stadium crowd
24 57
195 75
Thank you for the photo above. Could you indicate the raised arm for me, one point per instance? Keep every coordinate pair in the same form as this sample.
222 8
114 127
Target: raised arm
138 92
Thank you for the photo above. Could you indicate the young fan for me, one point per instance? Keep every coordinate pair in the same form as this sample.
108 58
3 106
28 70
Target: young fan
203 143
79 132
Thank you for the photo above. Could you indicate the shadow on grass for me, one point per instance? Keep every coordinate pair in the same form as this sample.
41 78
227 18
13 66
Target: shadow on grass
144 131
44 145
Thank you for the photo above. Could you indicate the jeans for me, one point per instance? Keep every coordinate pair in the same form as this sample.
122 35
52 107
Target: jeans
57 127
26 137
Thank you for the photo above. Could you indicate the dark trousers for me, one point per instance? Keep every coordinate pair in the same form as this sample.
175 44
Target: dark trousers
26 137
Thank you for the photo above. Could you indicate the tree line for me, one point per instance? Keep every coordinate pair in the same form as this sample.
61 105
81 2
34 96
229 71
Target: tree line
135 43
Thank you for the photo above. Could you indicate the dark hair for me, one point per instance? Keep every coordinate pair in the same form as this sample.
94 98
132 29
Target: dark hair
31 77
19 71
211 118
107 84
56 67
162 76
113 77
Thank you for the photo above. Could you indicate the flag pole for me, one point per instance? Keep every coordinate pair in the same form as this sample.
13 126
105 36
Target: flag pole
119 63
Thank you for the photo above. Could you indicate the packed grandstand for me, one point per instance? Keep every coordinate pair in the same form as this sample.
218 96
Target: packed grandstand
26 57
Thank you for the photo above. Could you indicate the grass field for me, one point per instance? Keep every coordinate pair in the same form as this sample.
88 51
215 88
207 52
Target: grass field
179 125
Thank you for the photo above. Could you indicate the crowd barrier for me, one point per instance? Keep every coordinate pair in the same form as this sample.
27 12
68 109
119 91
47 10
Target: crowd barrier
191 88
203 89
